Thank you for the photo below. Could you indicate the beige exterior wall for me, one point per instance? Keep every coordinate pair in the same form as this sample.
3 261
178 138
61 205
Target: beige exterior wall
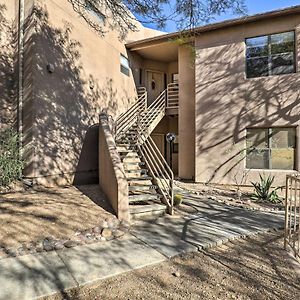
112 177
186 123
61 115
227 103
8 54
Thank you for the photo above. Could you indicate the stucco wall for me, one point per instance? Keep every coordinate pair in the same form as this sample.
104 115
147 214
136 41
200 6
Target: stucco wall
186 123
227 103
86 80
8 53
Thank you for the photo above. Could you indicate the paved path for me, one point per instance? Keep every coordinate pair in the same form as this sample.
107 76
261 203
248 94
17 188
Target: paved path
210 225
33 276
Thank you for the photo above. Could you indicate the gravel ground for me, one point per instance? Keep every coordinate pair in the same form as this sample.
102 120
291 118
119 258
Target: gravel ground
57 212
256 268
229 196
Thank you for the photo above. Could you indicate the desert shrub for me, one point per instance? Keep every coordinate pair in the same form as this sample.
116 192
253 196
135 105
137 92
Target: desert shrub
177 200
263 190
11 165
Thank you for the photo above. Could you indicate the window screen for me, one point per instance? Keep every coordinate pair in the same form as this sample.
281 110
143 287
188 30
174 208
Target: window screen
270 55
271 148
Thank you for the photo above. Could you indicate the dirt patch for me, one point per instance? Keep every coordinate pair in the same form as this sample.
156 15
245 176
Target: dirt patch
57 212
255 268
229 196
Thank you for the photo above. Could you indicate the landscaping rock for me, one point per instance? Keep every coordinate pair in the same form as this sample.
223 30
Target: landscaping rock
48 247
48 244
177 274
118 233
106 233
21 251
70 244
39 249
103 224
112 224
97 229
11 252
59 245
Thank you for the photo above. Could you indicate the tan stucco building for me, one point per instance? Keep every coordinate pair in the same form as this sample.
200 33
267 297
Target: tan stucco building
237 113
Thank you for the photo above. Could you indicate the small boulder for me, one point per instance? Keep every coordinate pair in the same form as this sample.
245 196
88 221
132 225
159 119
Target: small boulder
48 244
11 252
39 249
58 245
103 224
70 244
106 233
118 233
97 229
177 274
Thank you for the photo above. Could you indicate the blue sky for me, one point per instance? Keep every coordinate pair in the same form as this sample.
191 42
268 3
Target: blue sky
253 6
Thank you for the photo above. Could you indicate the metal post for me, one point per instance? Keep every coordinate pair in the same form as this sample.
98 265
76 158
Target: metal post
286 212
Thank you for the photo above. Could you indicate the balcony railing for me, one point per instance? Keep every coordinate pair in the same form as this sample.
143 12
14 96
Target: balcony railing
172 95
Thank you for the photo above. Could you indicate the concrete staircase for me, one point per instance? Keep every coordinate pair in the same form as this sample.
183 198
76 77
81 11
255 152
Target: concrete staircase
150 180
144 198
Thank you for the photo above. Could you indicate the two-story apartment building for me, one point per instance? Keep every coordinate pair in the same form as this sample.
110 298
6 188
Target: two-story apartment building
235 110
239 106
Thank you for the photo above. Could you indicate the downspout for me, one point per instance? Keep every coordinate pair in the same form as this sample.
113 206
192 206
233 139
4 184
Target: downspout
20 74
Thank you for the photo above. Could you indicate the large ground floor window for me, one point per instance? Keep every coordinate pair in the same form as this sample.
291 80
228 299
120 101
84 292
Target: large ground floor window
271 148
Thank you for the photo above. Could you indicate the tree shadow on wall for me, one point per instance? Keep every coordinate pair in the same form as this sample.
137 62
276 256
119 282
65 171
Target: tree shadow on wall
68 103
229 103
7 73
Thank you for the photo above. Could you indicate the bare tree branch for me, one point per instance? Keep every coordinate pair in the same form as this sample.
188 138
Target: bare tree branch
187 14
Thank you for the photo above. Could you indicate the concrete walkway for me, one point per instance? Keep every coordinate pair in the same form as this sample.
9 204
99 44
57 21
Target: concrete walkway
33 276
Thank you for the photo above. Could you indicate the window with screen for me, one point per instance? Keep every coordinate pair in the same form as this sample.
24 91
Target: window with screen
270 55
271 148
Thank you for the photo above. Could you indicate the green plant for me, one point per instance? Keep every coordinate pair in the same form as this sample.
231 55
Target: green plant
263 190
177 200
11 165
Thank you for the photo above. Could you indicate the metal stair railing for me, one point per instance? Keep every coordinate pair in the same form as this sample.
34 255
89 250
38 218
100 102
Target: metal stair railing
292 214
128 118
157 107
157 165
172 95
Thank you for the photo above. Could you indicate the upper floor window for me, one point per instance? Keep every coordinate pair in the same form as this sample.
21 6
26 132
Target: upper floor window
271 55
271 148
125 69
94 11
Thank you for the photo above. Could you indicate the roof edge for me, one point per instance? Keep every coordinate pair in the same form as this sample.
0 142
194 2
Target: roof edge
220 25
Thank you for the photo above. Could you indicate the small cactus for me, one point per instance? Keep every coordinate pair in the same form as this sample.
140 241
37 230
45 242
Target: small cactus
177 200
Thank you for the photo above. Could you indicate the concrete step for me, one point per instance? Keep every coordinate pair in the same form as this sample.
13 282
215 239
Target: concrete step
132 167
136 182
143 197
129 155
134 163
124 150
129 160
142 187
138 178
150 211
125 146
137 171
